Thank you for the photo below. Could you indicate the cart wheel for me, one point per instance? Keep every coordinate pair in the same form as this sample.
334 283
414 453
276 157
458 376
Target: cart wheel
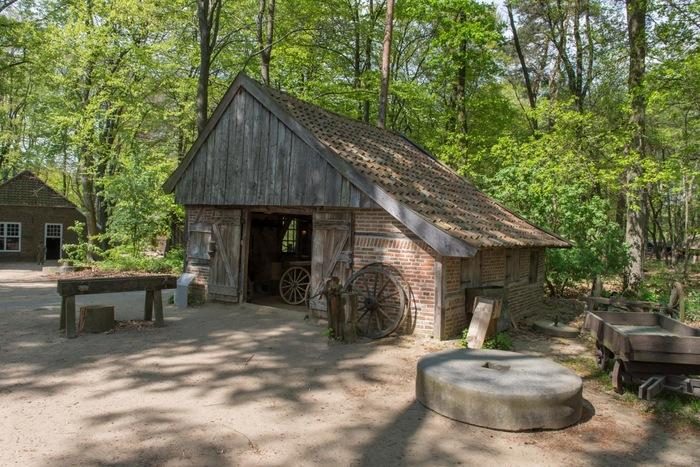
294 285
618 376
602 356
381 301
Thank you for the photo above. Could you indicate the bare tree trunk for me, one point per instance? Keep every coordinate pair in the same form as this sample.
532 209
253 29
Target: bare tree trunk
266 29
460 84
368 58
208 12
386 63
636 205
531 97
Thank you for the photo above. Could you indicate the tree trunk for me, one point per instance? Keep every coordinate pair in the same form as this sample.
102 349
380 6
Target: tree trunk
386 63
208 12
204 64
368 58
636 204
266 28
531 97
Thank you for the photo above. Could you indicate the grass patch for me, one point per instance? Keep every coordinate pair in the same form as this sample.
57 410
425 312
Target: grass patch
668 407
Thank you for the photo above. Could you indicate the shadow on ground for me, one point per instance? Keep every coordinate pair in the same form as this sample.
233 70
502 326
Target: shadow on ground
229 385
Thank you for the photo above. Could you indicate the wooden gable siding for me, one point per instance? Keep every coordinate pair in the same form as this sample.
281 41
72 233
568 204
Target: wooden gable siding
251 158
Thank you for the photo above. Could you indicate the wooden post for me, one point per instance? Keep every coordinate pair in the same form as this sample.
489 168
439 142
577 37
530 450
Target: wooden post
332 293
349 301
62 324
70 316
148 306
158 306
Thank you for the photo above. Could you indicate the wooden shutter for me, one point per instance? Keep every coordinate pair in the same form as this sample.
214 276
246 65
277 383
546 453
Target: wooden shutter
224 272
331 253
198 243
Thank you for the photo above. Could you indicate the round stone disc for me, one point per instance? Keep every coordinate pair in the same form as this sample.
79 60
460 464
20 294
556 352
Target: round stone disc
500 390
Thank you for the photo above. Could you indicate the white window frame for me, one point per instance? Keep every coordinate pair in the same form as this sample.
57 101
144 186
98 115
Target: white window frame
60 237
4 235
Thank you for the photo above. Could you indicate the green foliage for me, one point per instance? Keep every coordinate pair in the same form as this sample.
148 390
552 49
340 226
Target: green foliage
562 180
500 341
123 259
84 252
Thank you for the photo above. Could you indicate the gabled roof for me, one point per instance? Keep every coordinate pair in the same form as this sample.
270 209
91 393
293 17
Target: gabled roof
26 189
427 196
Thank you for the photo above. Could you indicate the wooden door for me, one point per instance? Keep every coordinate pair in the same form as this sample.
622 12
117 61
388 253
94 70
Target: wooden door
331 252
225 267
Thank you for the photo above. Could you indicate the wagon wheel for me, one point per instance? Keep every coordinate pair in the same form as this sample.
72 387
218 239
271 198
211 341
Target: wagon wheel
381 302
602 356
294 285
618 376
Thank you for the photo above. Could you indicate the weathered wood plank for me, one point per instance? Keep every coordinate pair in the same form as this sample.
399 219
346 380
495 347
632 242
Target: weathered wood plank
261 173
158 308
212 166
218 183
148 306
70 287
70 316
272 153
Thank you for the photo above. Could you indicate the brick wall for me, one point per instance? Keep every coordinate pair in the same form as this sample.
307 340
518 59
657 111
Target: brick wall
380 238
454 298
493 266
32 220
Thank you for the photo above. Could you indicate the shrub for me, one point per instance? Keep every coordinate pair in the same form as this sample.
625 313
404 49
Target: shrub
500 341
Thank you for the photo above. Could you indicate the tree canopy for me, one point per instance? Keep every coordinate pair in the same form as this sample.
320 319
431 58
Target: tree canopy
581 115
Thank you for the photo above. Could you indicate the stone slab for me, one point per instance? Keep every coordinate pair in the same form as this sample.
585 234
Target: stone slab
499 390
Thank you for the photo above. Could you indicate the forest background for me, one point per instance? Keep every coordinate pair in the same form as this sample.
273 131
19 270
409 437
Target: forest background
581 115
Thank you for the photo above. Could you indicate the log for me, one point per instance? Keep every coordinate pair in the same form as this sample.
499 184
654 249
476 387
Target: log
96 318
349 317
335 311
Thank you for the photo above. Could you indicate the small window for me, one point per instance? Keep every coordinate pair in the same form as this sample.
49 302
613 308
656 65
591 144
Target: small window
290 239
534 266
53 230
10 233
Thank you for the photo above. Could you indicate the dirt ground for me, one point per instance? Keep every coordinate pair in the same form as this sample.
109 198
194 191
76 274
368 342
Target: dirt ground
255 385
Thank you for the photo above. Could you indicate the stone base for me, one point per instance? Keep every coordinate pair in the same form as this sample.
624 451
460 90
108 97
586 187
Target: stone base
96 318
499 390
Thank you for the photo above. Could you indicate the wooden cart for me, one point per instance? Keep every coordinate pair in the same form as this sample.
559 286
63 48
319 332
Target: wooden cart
651 349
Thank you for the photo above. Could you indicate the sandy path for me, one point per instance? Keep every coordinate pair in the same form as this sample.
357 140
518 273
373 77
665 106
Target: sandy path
251 385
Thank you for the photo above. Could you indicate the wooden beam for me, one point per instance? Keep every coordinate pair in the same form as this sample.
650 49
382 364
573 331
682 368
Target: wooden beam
70 287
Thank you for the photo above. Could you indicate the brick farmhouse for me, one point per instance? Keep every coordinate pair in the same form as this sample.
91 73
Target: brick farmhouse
34 219
274 182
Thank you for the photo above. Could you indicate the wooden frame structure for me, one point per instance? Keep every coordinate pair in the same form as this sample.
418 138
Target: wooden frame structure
152 285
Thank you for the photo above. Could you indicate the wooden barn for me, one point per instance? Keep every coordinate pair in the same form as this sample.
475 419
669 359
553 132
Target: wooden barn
279 192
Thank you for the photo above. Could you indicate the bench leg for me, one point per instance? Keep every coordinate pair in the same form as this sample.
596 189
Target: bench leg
62 323
158 307
148 306
70 316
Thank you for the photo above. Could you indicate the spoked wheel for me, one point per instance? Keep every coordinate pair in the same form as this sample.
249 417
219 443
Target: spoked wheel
618 376
381 301
294 285
603 356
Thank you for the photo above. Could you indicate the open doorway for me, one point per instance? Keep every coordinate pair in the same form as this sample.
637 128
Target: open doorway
279 260
53 239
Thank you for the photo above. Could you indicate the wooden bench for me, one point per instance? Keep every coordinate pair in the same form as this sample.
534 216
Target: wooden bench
152 285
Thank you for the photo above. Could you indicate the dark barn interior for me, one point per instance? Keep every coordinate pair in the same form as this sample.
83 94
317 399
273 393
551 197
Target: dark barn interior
279 244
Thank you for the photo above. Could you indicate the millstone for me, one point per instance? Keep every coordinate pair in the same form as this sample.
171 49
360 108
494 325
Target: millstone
558 330
500 390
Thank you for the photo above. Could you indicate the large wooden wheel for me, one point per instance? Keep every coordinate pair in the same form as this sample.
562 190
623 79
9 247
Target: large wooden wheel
294 285
381 301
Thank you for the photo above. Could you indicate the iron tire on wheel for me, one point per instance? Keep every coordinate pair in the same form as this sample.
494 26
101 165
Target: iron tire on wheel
294 285
381 301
